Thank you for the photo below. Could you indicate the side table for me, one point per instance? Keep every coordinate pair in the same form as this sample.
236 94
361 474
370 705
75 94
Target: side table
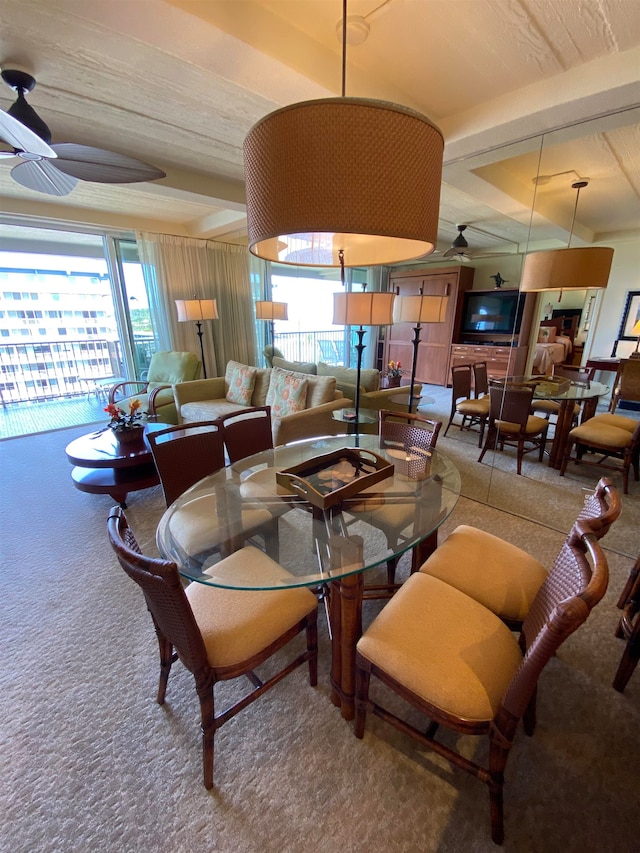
102 466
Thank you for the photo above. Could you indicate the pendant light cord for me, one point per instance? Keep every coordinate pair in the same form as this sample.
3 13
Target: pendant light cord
577 185
344 47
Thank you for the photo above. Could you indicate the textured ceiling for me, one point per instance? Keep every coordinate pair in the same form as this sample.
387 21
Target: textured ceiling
180 83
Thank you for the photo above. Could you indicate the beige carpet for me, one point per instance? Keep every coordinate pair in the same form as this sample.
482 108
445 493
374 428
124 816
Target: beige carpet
89 761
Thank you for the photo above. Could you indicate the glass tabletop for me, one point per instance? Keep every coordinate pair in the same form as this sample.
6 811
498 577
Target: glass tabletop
550 388
420 400
220 514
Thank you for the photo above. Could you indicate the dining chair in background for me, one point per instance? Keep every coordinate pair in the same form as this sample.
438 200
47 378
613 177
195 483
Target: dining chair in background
474 411
499 575
219 634
627 383
457 663
407 439
247 431
480 379
613 439
629 628
578 376
185 454
512 424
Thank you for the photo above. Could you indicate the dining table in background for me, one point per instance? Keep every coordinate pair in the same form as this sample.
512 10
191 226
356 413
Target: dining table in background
323 549
585 393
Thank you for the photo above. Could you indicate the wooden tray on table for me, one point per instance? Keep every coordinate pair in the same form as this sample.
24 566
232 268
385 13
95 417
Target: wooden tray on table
328 479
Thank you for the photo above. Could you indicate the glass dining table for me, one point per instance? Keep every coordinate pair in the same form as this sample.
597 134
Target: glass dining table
567 393
327 528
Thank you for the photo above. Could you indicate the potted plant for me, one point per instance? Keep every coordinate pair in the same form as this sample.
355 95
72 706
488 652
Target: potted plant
394 374
126 426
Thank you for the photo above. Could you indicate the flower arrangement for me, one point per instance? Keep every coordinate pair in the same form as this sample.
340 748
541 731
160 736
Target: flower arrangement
121 420
394 369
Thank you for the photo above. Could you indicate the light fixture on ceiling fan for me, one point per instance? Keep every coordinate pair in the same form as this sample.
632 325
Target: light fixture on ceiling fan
56 169
343 181
459 246
568 269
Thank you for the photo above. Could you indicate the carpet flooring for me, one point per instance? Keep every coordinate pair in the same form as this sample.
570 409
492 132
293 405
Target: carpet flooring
90 762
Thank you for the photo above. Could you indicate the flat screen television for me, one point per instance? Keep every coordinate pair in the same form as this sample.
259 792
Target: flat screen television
492 312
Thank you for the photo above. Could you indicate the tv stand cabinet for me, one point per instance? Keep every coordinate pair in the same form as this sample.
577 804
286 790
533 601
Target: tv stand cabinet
505 356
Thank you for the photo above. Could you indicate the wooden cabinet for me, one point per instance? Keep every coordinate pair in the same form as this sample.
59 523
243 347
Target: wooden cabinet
434 350
501 361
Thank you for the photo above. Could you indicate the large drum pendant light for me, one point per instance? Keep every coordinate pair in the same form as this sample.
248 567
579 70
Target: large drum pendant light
343 174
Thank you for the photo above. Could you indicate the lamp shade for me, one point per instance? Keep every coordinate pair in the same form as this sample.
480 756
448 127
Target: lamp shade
563 269
196 309
420 309
636 329
343 173
363 309
271 310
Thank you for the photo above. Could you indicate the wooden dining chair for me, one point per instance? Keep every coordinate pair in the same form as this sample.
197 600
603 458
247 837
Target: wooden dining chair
627 383
473 411
218 633
629 628
605 441
408 440
480 379
499 575
459 665
578 376
185 454
511 424
246 432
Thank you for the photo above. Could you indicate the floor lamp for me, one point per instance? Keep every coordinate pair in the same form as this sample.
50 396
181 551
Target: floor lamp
197 310
362 309
271 311
419 309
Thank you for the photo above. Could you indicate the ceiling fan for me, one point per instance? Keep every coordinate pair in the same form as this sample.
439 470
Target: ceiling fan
459 248
56 169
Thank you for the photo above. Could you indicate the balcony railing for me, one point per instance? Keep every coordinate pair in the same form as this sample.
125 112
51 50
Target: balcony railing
48 370
327 346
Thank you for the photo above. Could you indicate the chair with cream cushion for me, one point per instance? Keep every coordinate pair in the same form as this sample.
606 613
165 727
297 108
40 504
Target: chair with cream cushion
246 432
501 576
627 383
218 633
611 441
187 453
474 411
454 661
510 422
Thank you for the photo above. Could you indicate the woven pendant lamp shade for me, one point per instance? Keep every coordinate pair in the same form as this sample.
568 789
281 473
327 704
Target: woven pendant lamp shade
564 269
343 173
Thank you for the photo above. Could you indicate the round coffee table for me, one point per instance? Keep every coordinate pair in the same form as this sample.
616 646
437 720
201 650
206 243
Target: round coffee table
105 467
417 402
348 416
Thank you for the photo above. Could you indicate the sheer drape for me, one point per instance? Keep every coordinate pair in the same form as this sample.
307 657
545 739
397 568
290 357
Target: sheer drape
184 268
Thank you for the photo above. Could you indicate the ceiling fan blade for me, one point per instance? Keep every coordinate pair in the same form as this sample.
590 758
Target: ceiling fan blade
451 253
103 167
21 138
43 177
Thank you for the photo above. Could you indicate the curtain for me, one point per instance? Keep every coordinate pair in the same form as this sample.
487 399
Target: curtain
186 268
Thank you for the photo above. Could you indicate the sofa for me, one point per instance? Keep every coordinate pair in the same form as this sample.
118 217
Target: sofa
301 404
372 396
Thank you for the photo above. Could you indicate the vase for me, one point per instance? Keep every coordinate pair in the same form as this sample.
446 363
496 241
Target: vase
393 381
130 435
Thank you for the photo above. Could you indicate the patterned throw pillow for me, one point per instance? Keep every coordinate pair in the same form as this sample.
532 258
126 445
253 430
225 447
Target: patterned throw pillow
240 379
287 393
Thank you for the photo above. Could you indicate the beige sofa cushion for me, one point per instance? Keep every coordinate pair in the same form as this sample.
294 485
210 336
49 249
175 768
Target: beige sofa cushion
295 366
320 389
261 386
369 378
